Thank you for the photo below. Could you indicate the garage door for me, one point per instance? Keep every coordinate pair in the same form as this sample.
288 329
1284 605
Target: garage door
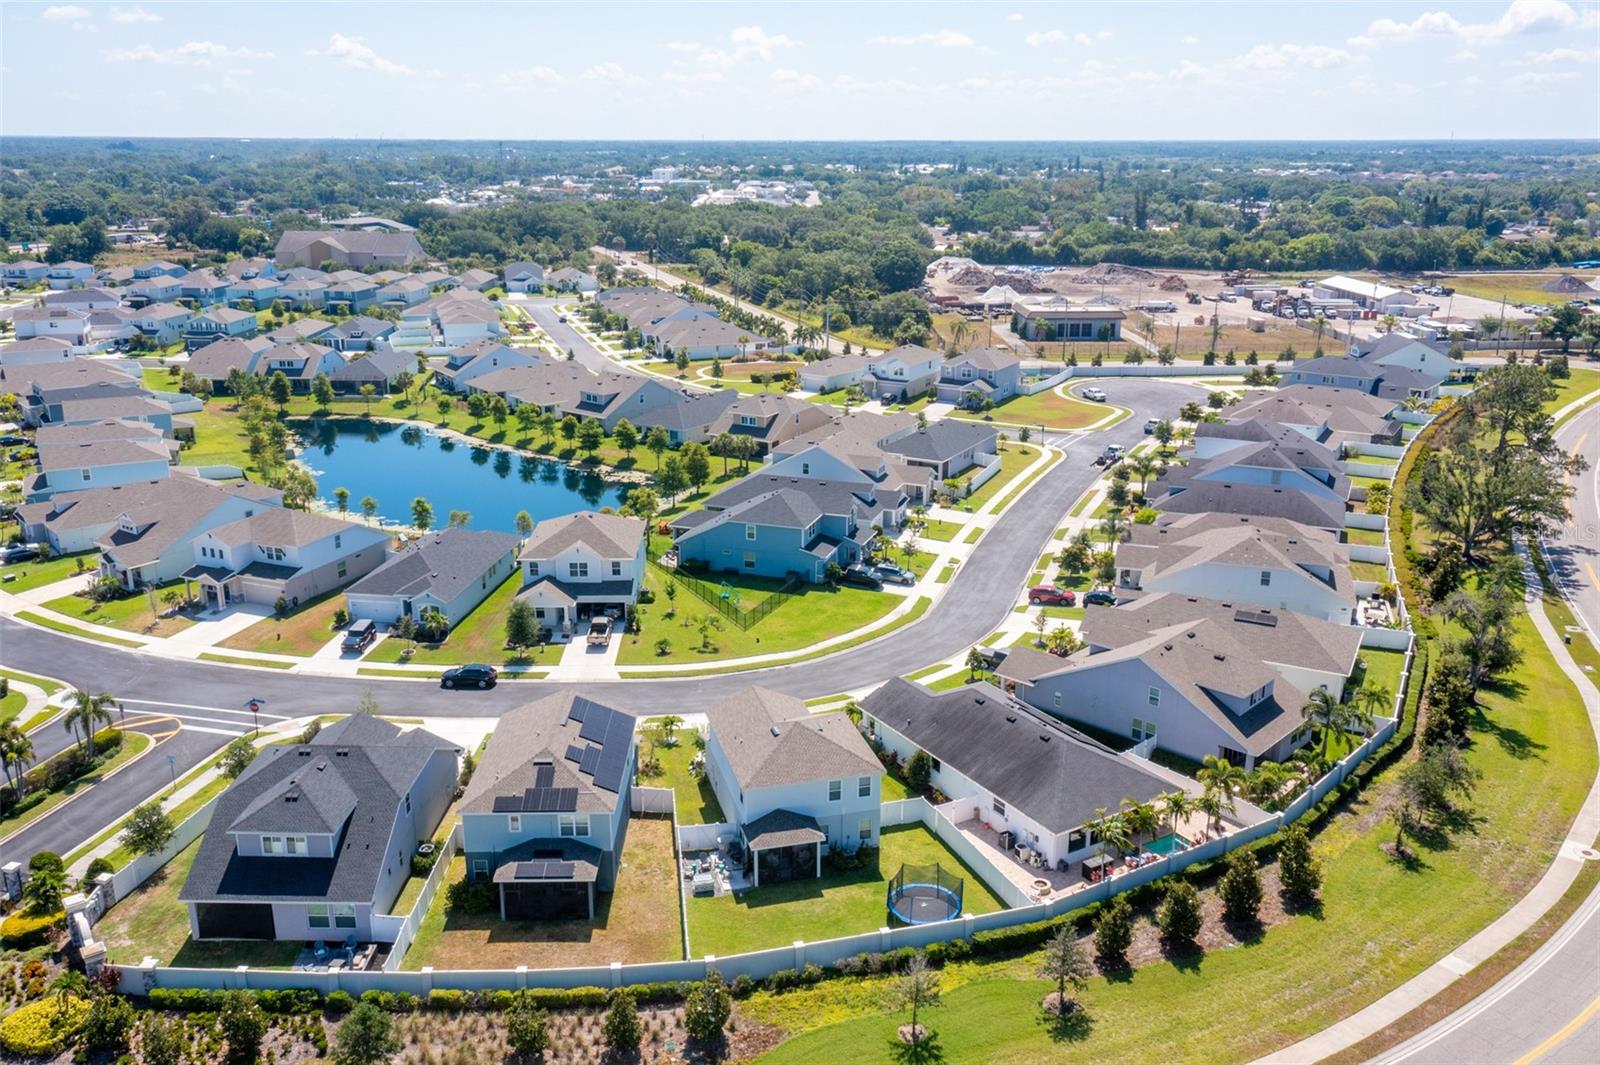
232 920
546 902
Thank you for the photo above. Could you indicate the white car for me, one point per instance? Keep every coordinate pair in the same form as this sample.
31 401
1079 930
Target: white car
1096 394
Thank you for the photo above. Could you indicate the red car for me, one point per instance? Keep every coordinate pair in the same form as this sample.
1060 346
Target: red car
1050 595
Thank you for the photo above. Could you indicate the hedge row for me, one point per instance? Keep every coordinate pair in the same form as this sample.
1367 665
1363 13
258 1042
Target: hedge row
25 929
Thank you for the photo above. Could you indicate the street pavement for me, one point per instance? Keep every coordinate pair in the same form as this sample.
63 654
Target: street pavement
978 599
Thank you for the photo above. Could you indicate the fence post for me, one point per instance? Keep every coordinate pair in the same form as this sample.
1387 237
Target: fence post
616 974
799 954
883 940
522 977
427 980
967 921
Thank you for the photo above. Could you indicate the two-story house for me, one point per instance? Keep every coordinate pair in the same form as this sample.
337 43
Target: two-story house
581 565
904 373
254 293
216 361
795 784
69 274
77 458
218 323
452 570
300 363
546 813
294 555
481 357
161 323
313 839
203 287
980 377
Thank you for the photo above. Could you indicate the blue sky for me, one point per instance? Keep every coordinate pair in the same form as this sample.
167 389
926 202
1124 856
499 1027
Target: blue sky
1528 68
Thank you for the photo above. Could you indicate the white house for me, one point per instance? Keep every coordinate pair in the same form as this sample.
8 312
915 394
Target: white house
581 565
905 372
796 784
290 554
1411 353
524 277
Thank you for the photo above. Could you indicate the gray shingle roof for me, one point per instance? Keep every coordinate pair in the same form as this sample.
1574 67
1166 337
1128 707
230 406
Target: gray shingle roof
1057 776
941 440
441 564
771 741
281 527
536 733
782 828
611 536
1227 497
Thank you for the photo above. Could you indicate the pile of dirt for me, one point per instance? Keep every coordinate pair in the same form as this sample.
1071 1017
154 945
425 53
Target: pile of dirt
973 277
1022 283
1174 283
1568 285
1113 274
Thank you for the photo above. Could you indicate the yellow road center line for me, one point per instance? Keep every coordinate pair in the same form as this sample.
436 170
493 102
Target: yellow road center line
1588 568
1563 1035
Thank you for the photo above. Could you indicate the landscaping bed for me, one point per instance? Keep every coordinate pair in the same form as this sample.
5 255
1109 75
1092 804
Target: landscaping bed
129 612
697 802
478 637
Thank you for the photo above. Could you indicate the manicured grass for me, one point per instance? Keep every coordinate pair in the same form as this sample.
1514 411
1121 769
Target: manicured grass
409 674
946 574
638 922
301 632
837 904
1375 460
48 686
239 660
37 574
73 630
1021 486
133 745
478 637
408 895
1366 537
1380 667
153 922
927 671
697 803
812 614
12 705
894 788
131 612
959 679
974 535
942 531
1537 756
1368 571
1047 408
1570 389
1514 287
1014 458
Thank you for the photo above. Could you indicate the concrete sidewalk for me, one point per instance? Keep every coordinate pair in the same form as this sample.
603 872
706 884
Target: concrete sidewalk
1575 850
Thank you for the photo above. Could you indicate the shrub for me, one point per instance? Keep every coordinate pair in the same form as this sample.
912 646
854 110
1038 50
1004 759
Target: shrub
422 864
918 771
339 1002
46 860
1298 868
96 867
107 1026
1240 887
28 928
160 1040
707 1008
839 860
243 1025
526 1029
1113 932
365 1038
621 1029
446 998
43 1028
1179 916
472 896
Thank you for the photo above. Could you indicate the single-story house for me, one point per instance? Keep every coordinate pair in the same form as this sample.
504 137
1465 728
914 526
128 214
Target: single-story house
451 570
1038 318
948 447
524 277
376 368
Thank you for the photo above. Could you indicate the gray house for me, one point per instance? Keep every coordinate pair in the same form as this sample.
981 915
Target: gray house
947 447
452 570
314 839
546 813
979 377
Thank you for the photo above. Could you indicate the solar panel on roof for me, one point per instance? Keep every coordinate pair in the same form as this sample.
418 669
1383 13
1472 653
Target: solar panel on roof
544 775
595 723
507 804
580 707
566 799
530 870
558 870
590 759
575 753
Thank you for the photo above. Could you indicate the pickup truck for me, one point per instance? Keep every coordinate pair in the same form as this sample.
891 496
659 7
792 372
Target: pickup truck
1111 455
599 631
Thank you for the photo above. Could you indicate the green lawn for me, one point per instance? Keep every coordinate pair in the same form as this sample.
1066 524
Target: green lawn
131 612
479 637
49 687
301 632
35 618
1014 458
153 922
1368 571
36 574
240 660
697 803
946 574
12 705
1366 537
838 904
812 614
1045 408
942 531
1537 755
1569 389
1378 666
408 895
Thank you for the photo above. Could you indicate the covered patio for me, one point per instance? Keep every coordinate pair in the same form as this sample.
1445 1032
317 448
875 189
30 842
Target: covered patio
783 845
547 880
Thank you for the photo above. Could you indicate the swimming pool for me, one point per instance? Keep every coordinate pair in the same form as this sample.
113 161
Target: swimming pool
1168 844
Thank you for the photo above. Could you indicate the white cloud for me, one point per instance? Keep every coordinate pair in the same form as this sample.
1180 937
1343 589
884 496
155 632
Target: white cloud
935 38
703 64
794 81
190 53
133 14
1265 60
611 74
1466 55
1037 39
1564 55
1544 77
1190 39
1015 16
1522 17
356 54
528 77
754 42
64 13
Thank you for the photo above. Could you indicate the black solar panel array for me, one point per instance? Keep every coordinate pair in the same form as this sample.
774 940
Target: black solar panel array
611 732
544 870
549 800
544 775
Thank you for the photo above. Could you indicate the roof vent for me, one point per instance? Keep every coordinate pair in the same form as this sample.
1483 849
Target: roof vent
1044 738
775 731
1011 719
342 753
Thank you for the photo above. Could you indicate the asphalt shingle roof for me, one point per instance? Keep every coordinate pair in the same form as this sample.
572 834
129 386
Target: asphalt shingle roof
441 564
771 741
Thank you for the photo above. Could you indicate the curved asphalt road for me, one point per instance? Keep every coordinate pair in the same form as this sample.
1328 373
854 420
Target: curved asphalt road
210 695
1548 1009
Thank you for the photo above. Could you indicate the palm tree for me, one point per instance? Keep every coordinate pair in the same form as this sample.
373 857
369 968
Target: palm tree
1176 806
1265 782
16 748
1223 780
1112 525
90 712
1143 466
1141 817
1388 322
1115 831
432 620
8 736
1321 709
1211 804
69 985
1371 700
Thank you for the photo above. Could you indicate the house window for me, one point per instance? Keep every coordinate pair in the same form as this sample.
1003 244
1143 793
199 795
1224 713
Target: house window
835 790
616 569
317 915
344 916
999 807
513 822
805 469
1266 577
1153 696
271 844
480 868
1143 730
533 569
864 829
1077 840
577 569
864 787
341 568
934 763
1058 700
86 475
749 532
338 540
575 825
749 560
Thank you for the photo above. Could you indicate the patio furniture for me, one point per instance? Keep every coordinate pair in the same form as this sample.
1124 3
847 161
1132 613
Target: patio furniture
335 964
705 884
1097 866
319 951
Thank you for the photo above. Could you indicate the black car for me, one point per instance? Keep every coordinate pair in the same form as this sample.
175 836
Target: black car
859 576
11 440
1099 597
472 676
18 553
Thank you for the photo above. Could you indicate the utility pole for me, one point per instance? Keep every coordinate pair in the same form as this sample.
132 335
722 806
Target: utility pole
1500 327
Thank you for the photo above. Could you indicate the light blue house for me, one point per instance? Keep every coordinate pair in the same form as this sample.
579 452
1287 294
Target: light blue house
778 533
979 377
546 814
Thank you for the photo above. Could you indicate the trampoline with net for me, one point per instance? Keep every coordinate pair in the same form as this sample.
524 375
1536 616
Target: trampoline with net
922 894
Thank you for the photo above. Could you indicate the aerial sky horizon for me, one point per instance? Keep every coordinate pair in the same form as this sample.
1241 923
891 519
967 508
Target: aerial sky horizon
1523 69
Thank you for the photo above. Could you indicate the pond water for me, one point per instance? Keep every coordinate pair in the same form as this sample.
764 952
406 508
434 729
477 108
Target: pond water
394 464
